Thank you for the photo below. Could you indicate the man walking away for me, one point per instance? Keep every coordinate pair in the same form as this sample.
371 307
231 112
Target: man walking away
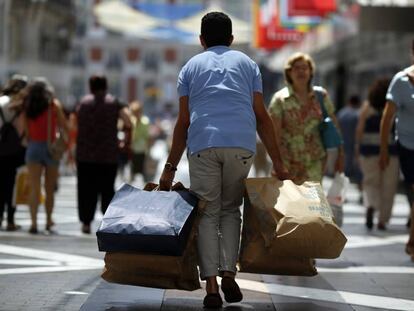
221 106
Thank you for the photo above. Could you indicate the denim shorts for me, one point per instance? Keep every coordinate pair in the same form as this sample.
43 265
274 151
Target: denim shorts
37 152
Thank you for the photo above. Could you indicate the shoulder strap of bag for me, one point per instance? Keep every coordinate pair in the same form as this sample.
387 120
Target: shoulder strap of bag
12 119
49 123
320 97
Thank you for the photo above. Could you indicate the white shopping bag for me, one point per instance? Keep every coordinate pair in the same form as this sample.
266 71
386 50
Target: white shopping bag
336 196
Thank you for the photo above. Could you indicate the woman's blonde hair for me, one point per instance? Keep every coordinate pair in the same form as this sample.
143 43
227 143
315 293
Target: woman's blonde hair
293 59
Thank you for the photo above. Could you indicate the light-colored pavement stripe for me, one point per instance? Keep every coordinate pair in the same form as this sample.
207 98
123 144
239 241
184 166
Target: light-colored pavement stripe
369 269
398 209
60 233
28 262
67 259
41 222
355 241
351 220
45 269
76 293
373 301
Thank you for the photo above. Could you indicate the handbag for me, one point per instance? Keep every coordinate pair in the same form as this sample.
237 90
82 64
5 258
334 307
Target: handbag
58 146
150 222
329 133
336 196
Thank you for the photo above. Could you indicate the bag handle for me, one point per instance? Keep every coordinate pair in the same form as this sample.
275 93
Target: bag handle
156 187
320 97
49 123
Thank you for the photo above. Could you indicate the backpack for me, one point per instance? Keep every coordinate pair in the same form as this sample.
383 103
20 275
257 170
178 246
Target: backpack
10 141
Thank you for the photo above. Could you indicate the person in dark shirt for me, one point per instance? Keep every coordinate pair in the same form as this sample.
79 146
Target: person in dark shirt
97 148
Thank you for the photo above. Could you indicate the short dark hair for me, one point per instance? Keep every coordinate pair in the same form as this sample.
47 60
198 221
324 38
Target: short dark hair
355 101
216 29
98 83
377 93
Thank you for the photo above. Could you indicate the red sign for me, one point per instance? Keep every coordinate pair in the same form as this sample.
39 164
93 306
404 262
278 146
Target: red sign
311 7
269 33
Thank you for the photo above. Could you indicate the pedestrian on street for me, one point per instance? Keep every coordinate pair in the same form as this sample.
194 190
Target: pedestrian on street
348 119
296 114
44 118
379 185
140 141
97 148
220 108
400 104
12 150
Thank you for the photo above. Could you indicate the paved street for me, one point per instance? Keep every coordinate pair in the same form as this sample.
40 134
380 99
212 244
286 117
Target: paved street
61 271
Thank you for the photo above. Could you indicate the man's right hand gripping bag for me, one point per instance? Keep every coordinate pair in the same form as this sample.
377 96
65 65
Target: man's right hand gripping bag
293 221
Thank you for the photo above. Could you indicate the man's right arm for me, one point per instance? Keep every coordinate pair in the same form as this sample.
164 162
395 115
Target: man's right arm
178 146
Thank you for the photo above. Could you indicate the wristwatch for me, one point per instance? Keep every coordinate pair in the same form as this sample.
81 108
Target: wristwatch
169 167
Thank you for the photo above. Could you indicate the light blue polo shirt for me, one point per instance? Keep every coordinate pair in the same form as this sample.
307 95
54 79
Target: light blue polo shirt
401 92
220 83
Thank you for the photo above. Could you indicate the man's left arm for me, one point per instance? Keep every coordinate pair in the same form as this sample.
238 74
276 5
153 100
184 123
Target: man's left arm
267 135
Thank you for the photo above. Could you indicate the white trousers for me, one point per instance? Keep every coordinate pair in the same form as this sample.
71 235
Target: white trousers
217 175
379 187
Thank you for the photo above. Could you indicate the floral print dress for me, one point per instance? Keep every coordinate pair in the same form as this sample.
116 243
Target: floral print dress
301 146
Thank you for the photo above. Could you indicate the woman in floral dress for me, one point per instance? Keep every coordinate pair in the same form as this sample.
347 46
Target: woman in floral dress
296 114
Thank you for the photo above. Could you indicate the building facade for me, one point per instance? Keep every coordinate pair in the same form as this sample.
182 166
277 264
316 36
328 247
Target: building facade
36 40
143 69
350 57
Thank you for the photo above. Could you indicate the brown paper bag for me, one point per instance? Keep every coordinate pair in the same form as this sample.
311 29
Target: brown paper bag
296 220
166 272
256 258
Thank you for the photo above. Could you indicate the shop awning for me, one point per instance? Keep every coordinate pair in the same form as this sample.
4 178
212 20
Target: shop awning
120 17
242 31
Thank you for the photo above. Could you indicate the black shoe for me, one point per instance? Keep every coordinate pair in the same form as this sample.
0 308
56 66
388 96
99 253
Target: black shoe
231 290
212 301
370 218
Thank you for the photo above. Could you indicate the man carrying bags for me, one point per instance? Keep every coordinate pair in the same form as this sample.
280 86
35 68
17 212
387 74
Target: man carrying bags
221 106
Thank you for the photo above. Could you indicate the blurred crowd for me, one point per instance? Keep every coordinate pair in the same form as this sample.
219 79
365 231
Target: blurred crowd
103 138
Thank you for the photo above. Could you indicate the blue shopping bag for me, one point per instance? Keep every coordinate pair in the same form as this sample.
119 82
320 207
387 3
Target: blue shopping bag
149 222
